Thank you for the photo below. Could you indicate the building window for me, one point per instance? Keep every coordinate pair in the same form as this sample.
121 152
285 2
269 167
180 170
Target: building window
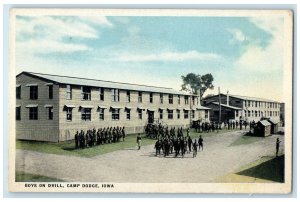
50 113
50 88
252 113
115 114
206 114
18 113
115 95
248 103
127 114
140 97
85 93
186 99
186 114
33 92
128 96
86 114
161 116
255 113
178 114
151 97
69 113
101 92
69 92
33 113
178 99
161 97
18 92
193 100
101 114
193 114
170 99
249 113
170 114
140 113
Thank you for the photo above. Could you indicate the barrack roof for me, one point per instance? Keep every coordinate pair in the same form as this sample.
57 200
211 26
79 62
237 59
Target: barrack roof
244 98
224 105
105 84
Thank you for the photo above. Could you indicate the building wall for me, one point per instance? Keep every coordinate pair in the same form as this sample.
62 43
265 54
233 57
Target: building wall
42 129
67 129
257 108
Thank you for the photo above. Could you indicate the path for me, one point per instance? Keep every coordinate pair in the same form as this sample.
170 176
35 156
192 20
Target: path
132 165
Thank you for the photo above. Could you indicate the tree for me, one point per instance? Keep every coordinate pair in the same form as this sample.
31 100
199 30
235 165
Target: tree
195 82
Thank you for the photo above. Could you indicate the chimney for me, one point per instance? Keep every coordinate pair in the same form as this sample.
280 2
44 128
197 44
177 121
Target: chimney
227 98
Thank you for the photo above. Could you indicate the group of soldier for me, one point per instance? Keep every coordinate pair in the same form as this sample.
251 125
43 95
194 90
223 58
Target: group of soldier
158 131
178 146
92 137
216 126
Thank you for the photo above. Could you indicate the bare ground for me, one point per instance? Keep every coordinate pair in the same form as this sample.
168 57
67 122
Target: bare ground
131 165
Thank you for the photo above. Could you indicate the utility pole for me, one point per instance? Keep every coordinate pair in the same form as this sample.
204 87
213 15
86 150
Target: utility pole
219 105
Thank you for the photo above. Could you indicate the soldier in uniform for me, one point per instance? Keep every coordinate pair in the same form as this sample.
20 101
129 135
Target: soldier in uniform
195 148
190 141
123 133
277 146
200 142
76 138
138 141
157 147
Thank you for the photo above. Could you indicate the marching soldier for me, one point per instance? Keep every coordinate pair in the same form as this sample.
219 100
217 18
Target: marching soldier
76 138
123 133
138 141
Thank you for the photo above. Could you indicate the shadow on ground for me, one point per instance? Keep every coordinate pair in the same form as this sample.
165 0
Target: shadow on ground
272 169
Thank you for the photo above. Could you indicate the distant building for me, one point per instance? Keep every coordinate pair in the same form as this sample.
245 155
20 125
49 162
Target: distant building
242 107
53 108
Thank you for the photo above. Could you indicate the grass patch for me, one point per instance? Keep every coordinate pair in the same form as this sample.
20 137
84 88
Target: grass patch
267 169
245 139
26 177
272 169
68 147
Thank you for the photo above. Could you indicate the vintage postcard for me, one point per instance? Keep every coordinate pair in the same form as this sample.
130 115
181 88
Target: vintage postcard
150 101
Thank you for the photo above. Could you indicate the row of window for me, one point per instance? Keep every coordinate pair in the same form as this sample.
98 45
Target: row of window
115 95
33 92
33 113
115 114
261 104
261 113
86 114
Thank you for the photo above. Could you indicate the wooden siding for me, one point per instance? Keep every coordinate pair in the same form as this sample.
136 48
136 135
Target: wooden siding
41 129
67 128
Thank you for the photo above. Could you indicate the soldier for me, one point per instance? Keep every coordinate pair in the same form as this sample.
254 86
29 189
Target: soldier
76 138
241 124
181 143
195 148
157 147
190 141
200 142
82 140
138 141
277 146
123 133
99 136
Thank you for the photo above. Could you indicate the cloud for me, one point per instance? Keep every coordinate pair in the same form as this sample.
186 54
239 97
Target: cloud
167 57
238 35
267 58
48 34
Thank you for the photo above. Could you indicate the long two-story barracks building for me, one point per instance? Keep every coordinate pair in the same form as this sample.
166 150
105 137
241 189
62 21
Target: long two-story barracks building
238 107
52 108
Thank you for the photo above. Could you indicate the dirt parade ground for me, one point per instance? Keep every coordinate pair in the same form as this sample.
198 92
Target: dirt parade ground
219 157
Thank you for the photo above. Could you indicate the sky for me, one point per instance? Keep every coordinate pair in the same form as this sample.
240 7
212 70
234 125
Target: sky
244 54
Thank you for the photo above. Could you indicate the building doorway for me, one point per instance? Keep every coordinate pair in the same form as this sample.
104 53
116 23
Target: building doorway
150 117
